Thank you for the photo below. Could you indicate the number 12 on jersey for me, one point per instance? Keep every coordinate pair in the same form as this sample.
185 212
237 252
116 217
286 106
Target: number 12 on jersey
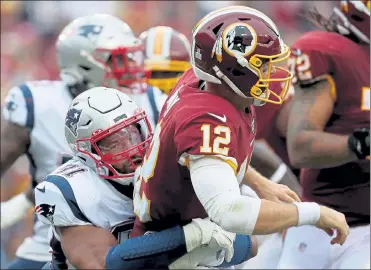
223 138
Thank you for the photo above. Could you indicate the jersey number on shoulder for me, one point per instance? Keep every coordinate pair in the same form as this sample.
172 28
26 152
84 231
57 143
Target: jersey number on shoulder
223 138
365 106
141 203
300 67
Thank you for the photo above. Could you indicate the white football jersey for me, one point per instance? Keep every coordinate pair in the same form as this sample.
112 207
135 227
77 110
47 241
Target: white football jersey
41 107
151 102
75 195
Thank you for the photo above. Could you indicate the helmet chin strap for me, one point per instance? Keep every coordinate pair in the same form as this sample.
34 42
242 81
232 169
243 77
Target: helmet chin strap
221 76
256 102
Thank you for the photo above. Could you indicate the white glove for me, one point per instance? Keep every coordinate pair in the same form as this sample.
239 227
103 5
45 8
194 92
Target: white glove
207 245
14 210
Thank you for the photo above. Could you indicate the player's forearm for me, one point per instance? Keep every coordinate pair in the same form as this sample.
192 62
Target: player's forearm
156 250
318 149
14 141
275 217
14 210
87 257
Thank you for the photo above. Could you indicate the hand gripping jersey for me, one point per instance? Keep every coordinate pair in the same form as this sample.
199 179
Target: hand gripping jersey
346 65
266 116
192 122
75 195
41 107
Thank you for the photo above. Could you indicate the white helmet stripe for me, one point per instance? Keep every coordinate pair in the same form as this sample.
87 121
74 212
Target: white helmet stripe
234 9
150 43
166 41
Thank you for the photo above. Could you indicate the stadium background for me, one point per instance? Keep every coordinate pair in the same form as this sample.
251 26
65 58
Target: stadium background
29 30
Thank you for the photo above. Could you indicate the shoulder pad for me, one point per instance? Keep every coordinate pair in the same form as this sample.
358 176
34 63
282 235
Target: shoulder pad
56 203
19 106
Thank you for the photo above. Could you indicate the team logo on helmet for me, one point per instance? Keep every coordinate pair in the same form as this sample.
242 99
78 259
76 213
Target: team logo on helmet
239 39
46 210
72 119
90 31
236 39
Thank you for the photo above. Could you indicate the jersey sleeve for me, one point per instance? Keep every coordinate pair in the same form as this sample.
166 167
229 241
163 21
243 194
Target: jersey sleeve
309 63
56 204
207 134
19 106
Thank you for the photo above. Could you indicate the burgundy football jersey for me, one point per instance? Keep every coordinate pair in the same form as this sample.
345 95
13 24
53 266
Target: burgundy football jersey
346 65
192 122
266 116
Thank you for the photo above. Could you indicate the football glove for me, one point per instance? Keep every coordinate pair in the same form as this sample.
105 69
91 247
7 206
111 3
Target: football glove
359 142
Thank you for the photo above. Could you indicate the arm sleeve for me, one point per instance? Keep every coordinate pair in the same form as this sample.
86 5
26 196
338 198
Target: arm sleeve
19 106
56 204
217 188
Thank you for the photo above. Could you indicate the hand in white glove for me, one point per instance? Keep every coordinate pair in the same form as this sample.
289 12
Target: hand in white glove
14 210
207 245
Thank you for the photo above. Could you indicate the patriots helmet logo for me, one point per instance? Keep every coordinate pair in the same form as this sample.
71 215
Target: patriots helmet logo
46 210
72 119
90 31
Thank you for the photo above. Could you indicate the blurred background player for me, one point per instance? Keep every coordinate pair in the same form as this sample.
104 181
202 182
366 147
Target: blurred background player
329 128
33 114
167 56
325 112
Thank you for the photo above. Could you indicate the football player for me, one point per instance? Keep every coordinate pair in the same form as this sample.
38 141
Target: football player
93 50
167 56
203 141
329 131
88 200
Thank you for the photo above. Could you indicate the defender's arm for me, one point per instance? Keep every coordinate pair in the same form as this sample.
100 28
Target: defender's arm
14 142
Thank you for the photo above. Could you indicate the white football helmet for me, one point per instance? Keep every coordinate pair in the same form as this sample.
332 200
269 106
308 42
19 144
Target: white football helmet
108 132
101 50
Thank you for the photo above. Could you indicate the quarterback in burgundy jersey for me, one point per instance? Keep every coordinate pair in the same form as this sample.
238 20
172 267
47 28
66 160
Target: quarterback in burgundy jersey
329 124
204 139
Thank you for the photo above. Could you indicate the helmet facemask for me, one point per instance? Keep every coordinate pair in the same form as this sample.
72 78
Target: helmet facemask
124 68
166 73
260 90
118 150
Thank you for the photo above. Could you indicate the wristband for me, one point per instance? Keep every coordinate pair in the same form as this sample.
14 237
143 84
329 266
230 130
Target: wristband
309 213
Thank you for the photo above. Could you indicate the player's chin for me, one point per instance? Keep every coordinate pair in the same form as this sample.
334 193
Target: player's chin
128 167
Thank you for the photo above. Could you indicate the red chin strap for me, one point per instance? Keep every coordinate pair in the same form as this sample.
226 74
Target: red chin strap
104 165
